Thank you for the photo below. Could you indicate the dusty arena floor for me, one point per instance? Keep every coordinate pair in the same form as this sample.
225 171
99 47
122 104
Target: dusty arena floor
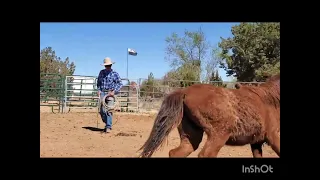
77 135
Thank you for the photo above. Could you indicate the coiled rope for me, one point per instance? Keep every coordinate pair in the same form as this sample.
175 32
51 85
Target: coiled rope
103 104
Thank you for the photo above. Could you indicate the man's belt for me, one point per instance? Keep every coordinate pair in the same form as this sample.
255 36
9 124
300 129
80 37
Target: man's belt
106 90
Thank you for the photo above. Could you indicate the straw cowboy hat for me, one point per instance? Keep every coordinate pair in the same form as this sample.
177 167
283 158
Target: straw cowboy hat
107 61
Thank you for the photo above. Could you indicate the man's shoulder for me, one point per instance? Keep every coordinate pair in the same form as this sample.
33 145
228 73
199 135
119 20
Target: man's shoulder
114 72
102 72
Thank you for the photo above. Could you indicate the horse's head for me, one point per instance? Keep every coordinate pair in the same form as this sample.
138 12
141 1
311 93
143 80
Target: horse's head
269 77
275 79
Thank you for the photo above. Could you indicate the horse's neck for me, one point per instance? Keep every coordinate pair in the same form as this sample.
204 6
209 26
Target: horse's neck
272 94
268 94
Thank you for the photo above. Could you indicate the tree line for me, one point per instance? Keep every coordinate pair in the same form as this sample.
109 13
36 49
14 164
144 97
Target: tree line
50 63
52 71
251 52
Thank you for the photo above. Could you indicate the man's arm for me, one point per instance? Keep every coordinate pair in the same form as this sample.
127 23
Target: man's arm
99 83
99 80
118 83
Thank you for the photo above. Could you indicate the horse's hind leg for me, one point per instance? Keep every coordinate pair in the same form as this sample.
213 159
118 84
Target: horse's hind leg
190 136
215 141
256 150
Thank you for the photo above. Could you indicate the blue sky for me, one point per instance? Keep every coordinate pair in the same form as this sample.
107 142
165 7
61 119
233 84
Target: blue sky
87 44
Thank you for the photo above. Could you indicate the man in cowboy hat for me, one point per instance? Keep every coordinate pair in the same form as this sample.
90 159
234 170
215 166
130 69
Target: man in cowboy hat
108 83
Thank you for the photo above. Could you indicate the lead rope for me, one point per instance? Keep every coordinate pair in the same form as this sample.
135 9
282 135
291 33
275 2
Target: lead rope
99 107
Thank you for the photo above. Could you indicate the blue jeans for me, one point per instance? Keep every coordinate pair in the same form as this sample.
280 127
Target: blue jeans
106 116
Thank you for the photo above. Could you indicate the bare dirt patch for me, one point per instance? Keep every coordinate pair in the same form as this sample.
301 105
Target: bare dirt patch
77 135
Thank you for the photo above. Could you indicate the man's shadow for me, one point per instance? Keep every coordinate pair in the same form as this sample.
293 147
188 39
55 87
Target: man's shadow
93 129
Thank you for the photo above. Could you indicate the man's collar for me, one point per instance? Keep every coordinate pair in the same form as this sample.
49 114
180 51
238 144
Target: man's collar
108 70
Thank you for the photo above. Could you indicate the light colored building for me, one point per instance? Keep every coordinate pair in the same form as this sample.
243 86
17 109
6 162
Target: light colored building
84 85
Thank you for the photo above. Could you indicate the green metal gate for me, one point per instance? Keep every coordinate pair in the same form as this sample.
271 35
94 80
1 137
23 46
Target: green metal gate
52 91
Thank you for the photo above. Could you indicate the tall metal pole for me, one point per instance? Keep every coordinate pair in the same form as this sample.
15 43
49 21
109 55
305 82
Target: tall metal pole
128 78
127 64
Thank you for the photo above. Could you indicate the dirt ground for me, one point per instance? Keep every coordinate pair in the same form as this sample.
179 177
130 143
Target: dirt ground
77 135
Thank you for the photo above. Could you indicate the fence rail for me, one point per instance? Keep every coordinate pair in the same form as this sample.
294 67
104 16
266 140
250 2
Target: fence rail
52 91
141 95
81 92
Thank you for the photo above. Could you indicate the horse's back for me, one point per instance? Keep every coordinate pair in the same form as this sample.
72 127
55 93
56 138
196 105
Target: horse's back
243 109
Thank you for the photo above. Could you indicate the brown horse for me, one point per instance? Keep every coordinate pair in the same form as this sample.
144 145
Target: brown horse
236 117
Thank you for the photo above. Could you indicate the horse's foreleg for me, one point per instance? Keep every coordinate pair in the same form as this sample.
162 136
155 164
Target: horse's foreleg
274 141
256 150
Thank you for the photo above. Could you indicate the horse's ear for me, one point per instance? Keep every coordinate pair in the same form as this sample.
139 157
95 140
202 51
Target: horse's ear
237 85
266 75
274 77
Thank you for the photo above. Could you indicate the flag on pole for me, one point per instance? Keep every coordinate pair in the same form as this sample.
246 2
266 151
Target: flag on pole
132 52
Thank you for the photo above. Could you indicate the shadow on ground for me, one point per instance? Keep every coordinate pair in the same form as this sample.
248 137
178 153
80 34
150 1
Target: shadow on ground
93 128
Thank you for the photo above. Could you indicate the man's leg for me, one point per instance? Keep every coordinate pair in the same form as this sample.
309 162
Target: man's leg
103 114
109 121
109 114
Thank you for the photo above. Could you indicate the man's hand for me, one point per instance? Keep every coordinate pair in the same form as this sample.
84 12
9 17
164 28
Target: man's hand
111 93
98 93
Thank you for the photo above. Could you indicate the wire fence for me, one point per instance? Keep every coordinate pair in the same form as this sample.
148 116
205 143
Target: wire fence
151 93
136 95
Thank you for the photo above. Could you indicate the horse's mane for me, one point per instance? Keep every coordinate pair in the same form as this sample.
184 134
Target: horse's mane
269 91
273 83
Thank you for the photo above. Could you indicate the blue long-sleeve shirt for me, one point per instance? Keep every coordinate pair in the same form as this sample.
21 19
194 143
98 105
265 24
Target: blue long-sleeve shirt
109 80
